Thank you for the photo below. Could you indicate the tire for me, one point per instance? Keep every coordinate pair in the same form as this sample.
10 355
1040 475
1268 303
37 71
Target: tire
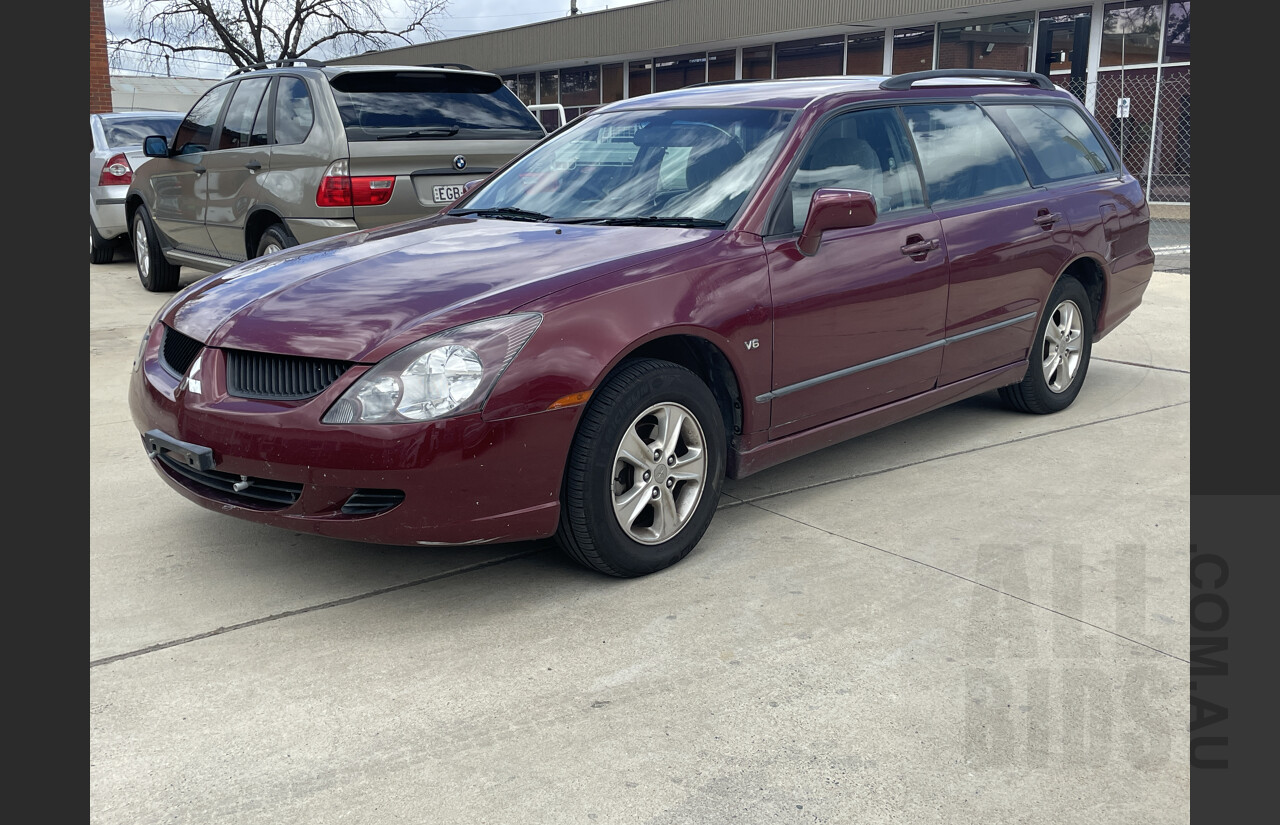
154 271
1059 359
609 519
101 250
274 239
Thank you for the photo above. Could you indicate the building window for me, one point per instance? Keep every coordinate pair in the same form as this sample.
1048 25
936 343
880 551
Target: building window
986 44
1063 41
866 54
524 86
757 62
611 82
549 87
810 58
580 87
720 65
1177 33
678 71
1131 33
912 49
640 77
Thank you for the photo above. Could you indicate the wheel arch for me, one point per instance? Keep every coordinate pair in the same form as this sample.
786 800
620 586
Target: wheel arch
256 224
1093 277
705 360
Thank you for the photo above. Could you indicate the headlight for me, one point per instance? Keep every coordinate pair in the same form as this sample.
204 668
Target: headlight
449 373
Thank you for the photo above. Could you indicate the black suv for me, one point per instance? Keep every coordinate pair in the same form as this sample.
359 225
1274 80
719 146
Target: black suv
286 153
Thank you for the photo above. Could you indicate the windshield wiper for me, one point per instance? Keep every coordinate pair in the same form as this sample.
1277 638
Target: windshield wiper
510 213
651 220
423 134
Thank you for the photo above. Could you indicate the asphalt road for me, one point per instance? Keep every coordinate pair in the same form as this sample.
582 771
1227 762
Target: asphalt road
977 616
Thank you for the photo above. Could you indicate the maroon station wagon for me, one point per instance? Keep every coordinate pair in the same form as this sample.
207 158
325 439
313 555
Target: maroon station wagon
671 290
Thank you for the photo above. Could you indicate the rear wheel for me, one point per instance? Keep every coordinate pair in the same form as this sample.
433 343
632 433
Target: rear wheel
645 471
1059 358
275 239
154 271
101 250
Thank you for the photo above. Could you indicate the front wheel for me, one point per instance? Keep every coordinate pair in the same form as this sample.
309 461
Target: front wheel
1059 357
645 471
154 270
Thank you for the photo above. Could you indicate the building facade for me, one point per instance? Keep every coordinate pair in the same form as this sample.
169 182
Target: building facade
1128 61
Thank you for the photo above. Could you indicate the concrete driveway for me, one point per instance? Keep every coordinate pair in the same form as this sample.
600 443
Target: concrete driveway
978 616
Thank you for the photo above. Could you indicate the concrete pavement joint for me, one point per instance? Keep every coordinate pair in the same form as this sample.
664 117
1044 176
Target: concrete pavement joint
1144 366
300 611
969 580
817 484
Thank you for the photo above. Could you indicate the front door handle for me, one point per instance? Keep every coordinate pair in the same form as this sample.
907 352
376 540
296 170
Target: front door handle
1047 219
253 166
920 247
199 170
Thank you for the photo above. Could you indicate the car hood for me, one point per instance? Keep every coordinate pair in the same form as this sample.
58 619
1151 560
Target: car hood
363 295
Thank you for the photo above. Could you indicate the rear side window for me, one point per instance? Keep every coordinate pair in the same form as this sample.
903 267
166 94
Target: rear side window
430 105
295 112
1055 142
120 132
237 126
962 152
197 127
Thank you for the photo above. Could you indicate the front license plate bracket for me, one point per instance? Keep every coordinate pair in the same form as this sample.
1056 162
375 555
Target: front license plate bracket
192 455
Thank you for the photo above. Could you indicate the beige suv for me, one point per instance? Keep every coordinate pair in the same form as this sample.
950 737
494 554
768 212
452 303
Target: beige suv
287 153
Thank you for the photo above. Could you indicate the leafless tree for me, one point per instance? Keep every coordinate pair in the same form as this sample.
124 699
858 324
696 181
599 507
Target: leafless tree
247 32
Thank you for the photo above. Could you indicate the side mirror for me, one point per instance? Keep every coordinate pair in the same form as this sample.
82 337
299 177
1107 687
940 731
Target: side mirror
835 209
155 146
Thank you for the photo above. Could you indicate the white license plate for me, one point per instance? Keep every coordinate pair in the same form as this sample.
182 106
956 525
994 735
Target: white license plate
445 194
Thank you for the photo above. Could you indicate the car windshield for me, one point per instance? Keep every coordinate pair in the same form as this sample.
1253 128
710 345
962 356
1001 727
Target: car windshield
131 132
673 167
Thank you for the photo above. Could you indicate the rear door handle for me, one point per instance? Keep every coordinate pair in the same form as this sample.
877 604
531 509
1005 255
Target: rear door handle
921 247
1047 219
253 166
199 170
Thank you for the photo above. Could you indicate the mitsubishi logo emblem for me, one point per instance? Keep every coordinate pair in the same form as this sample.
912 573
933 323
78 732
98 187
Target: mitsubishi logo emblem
459 162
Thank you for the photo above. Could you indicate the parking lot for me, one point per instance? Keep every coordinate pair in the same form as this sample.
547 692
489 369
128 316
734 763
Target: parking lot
975 616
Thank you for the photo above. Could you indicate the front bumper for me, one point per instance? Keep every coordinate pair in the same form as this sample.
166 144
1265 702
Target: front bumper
461 480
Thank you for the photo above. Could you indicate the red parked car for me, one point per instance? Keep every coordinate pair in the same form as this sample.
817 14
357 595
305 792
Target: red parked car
674 289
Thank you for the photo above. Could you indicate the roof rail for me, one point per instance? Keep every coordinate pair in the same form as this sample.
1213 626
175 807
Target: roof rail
284 61
906 81
462 66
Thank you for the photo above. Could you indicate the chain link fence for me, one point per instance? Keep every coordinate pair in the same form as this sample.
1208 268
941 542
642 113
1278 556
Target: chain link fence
1147 114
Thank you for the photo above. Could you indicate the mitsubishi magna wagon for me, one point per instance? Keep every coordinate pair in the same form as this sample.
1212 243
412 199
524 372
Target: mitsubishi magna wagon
673 290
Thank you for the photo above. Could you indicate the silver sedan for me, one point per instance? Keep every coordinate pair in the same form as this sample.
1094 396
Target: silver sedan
115 152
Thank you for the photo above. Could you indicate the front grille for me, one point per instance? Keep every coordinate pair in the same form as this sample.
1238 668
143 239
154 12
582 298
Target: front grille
369 502
279 377
258 492
177 351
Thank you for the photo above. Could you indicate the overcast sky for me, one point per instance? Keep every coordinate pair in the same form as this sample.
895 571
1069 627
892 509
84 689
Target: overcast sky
462 17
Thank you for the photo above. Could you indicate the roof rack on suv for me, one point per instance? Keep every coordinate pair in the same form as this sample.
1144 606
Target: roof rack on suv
906 81
286 61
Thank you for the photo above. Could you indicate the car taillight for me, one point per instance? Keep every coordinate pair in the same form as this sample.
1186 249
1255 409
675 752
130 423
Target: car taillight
116 172
339 188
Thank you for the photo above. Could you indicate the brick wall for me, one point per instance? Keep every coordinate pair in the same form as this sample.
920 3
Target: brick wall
99 70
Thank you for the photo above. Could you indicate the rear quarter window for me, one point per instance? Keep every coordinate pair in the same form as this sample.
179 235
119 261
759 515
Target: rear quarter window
1054 141
430 105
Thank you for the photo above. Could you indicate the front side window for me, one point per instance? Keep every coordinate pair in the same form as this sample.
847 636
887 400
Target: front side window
426 105
678 167
962 153
237 126
1055 141
864 150
196 130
